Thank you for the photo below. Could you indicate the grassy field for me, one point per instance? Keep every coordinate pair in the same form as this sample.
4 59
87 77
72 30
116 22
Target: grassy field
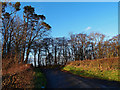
107 69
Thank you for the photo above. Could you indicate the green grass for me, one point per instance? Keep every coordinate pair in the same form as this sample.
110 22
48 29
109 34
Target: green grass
93 71
39 79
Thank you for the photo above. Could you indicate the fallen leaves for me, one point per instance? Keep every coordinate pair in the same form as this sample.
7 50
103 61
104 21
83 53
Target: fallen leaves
20 77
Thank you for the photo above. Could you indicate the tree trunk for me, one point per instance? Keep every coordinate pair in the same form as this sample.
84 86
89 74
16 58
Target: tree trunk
16 54
35 59
3 50
23 54
39 58
27 54
55 55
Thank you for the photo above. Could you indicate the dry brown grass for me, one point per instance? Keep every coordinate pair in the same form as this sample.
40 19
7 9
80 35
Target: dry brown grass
17 75
102 64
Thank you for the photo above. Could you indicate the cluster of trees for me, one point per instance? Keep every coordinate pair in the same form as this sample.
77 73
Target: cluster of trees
19 34
29 35
77 47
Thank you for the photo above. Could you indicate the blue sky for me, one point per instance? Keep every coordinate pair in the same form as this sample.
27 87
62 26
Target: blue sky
78 17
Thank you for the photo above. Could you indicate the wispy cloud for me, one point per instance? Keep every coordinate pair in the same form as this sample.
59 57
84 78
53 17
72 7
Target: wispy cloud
88 28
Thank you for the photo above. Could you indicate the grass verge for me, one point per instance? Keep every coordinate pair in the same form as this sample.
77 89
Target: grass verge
94 71
39 79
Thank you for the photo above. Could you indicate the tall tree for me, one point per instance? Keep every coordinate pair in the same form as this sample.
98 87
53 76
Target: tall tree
7 19
35 28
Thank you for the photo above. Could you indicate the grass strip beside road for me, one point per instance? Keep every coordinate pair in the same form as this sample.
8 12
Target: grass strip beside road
107 75
39 79
106 69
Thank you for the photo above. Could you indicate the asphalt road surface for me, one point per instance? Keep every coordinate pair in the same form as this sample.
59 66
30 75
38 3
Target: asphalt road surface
59 79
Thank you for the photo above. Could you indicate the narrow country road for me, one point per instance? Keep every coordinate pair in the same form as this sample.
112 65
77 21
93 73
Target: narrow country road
58 79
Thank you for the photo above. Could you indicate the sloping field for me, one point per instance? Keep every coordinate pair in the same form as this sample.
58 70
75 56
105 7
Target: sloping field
107 68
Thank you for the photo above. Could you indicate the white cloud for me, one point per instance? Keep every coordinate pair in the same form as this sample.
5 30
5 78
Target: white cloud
88 28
